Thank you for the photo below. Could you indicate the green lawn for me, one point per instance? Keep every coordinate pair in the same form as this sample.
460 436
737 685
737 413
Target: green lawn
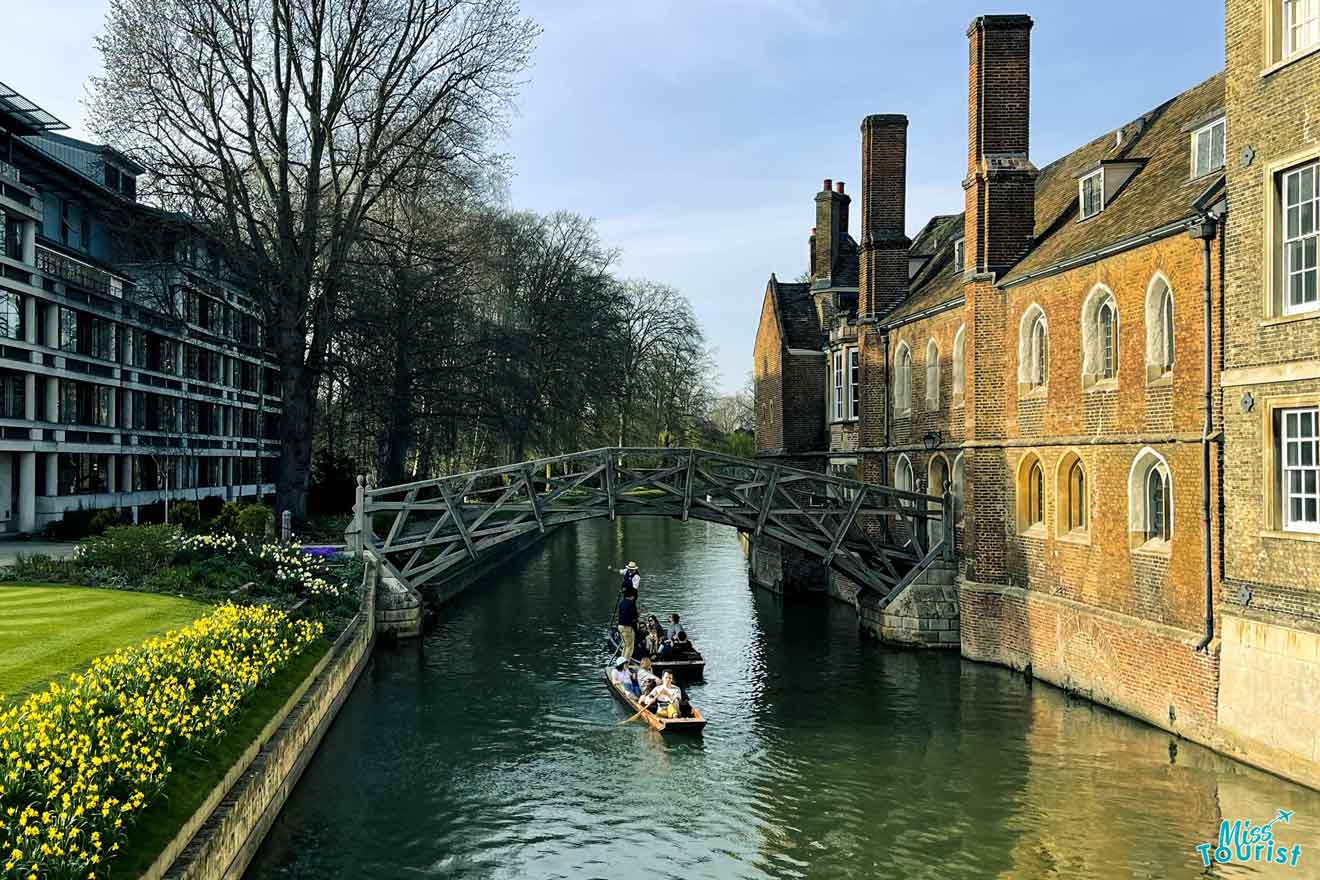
47 631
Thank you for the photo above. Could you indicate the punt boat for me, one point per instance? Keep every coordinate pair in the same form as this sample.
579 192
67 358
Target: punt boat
690 667
664 725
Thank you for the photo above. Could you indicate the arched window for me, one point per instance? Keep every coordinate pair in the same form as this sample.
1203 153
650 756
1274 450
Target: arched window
937 480
1108 348
903 474
1073 500
1030 493
1099 336
1159 328
1150 499
1033 349
902 380
1158 517
959 368
959 488
932 376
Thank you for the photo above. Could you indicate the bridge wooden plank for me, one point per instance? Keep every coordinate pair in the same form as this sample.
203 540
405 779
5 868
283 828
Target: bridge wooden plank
457 516
531 497
400 518
767 499
687 484
609 482
843 529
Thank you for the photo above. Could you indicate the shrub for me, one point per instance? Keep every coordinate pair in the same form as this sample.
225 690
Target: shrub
133 551
103 520
39 568
186 515
74 525
210 507
168 581
253 520
87 754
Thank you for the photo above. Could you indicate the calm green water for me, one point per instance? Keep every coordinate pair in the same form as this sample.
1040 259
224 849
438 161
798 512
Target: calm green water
492 750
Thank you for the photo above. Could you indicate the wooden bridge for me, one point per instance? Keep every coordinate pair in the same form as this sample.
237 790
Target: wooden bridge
879 537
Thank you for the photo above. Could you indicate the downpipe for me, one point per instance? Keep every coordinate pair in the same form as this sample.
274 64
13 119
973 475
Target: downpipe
1205 231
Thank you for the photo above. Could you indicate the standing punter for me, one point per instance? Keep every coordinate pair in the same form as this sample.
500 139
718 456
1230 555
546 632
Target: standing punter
628 623
632 579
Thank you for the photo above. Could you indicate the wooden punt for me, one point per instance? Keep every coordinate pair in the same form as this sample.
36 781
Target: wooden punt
691 668
664 725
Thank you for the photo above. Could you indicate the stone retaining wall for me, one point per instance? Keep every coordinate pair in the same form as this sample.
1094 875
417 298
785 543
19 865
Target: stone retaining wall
223 835
924 615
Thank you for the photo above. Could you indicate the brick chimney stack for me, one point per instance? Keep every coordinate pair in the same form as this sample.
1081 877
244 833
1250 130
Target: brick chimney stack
1001 181
884 245
831 227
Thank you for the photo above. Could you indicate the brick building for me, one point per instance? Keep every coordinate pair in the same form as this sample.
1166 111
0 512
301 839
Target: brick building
1055 352
132 370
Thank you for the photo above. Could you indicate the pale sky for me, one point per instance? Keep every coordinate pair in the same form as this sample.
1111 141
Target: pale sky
696 134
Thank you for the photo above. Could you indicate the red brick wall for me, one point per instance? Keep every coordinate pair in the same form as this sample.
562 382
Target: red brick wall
768 379
1140 668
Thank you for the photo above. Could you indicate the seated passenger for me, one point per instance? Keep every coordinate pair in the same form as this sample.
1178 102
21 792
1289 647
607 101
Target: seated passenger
653 640
622 677
674 627
682 645
666 697
646 679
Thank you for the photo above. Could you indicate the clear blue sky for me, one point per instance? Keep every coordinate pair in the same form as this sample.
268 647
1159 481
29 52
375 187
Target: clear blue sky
697 133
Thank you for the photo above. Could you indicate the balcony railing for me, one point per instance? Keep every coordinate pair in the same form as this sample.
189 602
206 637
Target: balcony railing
9 172
75 272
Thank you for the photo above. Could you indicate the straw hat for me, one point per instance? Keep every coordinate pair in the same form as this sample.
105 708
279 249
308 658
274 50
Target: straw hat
632 566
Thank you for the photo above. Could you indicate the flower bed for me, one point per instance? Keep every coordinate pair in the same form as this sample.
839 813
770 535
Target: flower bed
79 760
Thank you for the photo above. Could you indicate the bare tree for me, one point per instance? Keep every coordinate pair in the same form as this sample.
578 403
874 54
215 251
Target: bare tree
280 124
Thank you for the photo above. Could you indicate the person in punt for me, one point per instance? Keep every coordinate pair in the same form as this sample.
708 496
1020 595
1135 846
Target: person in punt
646 679
622 677
666 697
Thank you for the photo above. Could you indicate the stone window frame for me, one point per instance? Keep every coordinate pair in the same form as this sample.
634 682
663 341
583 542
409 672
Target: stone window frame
1033 362
959 254
902 380
1146 462
844 398
1272 525
1031 486
904 466
959 366
1195 150
932 375
1071 464
1273 290
1093 343
1276 54
1161 330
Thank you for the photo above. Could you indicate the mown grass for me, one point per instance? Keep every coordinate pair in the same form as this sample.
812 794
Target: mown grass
196 774
49 630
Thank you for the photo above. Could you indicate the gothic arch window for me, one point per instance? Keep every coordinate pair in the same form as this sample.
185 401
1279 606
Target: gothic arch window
1073 505
959 366
1030 493
1033 349
1150 501
932 376
937 479
1159 328
903 474
1099 337
902 380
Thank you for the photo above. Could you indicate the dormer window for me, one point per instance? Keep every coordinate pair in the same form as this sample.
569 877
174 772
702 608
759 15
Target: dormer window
958 255
1092 193
1208 148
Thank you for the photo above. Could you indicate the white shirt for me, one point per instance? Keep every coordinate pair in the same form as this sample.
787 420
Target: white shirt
621 676
670 694
636 578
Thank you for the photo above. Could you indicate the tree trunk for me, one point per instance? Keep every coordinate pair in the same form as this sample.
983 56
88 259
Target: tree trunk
297 422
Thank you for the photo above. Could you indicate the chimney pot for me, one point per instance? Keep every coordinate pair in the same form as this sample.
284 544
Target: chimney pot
828 184
838 186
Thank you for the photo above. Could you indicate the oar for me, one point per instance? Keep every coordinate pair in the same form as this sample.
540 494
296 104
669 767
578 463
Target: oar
634 718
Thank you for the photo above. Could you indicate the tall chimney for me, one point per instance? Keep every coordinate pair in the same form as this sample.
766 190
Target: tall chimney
1001 181
811 252
884 246
831 227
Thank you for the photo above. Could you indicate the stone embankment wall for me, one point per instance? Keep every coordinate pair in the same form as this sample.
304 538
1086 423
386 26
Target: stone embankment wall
221 838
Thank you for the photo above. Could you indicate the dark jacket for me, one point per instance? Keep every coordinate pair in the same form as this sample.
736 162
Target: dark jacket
628 612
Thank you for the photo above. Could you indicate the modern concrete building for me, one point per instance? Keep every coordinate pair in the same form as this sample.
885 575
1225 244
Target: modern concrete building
131 369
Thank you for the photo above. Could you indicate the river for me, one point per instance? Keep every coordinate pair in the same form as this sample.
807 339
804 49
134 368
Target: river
492 749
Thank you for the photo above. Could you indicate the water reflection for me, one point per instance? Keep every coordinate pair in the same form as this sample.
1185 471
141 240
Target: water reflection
493 749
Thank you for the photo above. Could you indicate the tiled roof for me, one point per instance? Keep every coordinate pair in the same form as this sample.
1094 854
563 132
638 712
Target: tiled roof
937 282
1158 194
797 314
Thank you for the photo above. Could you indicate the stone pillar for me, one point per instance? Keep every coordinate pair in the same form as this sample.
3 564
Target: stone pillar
30 243
27 491
52 474
126 473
